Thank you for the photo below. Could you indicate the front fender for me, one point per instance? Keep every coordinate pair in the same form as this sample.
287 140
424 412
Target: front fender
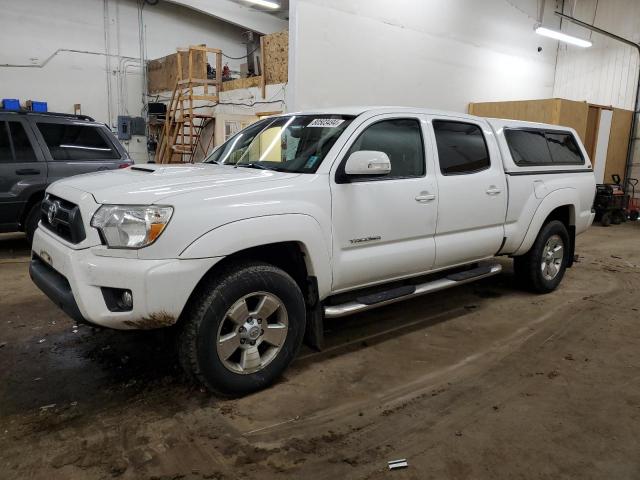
254 232
557 198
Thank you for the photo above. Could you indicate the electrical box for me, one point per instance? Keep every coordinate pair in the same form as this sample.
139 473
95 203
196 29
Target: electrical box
157 108
138 126
124 127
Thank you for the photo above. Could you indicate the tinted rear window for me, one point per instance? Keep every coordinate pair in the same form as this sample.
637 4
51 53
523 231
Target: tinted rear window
540 147
76 142
461 147
22 148
564 149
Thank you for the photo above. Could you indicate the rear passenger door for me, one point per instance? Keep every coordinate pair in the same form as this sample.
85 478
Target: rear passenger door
75 147
23 171
472 189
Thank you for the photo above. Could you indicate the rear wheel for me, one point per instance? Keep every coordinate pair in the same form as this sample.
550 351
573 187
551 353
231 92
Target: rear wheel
541 269
244 329
31 221
605 220
633 215
617 217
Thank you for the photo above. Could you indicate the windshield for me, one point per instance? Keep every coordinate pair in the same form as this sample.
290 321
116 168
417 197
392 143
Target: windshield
293 143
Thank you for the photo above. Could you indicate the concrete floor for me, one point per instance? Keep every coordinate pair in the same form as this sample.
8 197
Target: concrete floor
482 381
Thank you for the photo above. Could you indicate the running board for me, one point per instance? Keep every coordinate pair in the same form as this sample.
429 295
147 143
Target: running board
369 302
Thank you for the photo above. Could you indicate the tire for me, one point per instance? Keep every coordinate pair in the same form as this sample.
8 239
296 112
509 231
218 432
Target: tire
616 217
223 329
31 221
633 215
533 270
605 220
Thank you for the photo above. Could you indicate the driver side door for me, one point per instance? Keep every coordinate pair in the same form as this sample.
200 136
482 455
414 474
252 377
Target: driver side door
384 226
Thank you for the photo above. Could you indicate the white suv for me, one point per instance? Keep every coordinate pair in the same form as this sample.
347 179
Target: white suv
311 215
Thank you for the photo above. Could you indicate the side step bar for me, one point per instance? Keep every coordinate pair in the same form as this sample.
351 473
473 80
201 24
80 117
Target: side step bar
369 302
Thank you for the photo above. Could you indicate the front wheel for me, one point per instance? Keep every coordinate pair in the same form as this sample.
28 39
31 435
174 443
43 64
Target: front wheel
541 269
244 329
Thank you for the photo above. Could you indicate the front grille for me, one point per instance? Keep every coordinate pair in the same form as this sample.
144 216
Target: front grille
62 218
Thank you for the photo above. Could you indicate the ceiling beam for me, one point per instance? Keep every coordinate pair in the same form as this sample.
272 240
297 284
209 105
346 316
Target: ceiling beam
237 14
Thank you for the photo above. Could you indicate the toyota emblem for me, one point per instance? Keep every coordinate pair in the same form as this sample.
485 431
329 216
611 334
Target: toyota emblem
51 213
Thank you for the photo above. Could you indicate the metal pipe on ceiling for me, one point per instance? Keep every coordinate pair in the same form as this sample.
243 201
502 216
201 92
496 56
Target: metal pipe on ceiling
636 110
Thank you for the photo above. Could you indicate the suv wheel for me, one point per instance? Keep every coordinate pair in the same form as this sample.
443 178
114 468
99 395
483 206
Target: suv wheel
243 330
541 269
31 221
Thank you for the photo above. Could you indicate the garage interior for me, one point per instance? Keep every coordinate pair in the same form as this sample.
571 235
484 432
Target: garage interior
480 381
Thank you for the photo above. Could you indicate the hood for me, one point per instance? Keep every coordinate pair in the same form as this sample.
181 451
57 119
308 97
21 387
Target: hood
151 183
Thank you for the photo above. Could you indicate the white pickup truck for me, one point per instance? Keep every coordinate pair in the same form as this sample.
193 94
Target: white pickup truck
307 216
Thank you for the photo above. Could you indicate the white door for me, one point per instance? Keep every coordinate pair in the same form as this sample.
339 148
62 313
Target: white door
602 145
472 201
383 226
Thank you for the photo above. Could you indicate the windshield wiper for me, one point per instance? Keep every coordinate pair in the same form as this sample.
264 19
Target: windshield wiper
253 165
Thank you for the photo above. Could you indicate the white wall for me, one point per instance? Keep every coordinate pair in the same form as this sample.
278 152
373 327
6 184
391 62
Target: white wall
607 73
432 53
32 30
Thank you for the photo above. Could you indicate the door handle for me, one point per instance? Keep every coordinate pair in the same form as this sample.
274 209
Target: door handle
493 190
27 171
425 197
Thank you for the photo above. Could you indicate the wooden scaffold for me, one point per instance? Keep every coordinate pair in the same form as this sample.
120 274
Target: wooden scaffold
184 118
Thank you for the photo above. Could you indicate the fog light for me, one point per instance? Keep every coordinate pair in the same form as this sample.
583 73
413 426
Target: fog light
126 300
117 299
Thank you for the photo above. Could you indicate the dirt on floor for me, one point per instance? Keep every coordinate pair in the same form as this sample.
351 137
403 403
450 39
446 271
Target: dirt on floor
482 381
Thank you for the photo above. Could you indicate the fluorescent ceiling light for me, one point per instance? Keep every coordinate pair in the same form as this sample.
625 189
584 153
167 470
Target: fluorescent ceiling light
563 37
265 3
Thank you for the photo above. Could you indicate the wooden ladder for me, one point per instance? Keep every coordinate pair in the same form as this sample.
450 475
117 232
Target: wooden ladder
184 124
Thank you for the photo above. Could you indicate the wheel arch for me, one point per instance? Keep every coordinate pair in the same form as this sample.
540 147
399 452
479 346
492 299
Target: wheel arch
34 198
260 237
559 205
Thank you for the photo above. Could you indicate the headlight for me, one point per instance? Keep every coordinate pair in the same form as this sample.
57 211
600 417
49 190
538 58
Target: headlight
131 226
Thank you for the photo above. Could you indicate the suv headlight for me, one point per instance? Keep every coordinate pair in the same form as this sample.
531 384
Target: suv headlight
131 226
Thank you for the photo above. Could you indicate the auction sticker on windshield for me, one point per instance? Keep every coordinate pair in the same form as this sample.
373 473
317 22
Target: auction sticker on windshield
325 122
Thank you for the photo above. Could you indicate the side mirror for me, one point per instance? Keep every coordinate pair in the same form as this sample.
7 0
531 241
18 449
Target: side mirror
368 162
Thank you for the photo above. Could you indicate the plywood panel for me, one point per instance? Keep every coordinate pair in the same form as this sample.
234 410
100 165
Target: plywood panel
544 111
162 73
555 111
593 119
574 115
276 57
618 143
241 83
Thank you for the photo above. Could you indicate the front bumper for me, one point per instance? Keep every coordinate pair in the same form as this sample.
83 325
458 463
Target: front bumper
73 280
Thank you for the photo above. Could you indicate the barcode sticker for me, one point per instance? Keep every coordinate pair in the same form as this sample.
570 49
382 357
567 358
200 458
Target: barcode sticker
325 122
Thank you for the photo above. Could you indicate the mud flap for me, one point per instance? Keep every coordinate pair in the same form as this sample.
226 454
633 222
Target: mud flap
572 245
314 331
